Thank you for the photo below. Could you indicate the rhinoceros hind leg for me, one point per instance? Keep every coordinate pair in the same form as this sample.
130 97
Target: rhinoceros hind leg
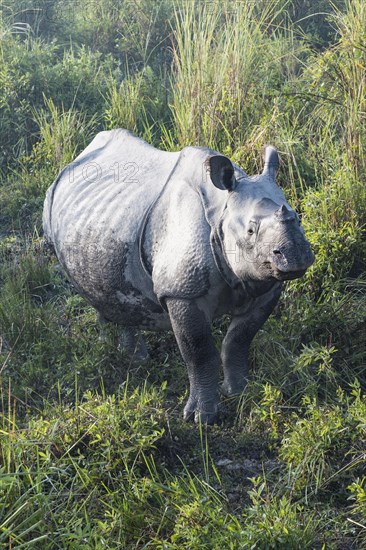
132 342
103 333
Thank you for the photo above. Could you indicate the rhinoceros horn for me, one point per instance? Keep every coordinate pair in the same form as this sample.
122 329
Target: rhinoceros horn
283 214
271 161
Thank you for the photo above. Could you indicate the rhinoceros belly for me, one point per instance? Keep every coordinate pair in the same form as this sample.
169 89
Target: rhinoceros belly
114 282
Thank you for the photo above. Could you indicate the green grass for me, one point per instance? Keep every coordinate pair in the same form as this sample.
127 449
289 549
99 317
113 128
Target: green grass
93 451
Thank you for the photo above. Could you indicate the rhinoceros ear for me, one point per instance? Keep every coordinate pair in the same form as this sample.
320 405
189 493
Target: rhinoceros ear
221 172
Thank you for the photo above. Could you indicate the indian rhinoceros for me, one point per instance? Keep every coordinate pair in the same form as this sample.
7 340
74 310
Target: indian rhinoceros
171 240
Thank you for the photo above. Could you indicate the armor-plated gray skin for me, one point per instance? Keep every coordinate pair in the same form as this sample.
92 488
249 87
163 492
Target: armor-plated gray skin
158 240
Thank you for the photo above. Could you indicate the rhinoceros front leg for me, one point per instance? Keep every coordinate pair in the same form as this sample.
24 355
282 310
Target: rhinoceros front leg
196 344
235 346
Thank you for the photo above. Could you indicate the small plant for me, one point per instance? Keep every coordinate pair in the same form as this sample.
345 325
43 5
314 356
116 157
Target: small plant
268 412
275 522
358 495
200 518
315 368
320 446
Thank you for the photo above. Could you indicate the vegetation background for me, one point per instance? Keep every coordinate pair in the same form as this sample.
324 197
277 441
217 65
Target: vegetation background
93 452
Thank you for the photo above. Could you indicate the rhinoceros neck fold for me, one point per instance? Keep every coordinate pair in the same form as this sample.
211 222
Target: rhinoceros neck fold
221 262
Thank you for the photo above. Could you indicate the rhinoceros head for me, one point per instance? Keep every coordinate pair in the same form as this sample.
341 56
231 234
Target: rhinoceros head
261 235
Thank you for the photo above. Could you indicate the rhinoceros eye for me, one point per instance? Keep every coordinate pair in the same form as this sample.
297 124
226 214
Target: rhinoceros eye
252 227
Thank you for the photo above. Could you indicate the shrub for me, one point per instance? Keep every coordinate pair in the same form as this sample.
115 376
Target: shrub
317 446
69 460
34 69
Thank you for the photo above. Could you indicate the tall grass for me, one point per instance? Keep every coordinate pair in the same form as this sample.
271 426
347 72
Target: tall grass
229 60
138 103
63 133
338 77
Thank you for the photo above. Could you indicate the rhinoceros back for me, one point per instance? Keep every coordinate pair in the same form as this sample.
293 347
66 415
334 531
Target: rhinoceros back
93 215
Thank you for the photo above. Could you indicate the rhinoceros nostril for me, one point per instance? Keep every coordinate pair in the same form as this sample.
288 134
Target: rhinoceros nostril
277 252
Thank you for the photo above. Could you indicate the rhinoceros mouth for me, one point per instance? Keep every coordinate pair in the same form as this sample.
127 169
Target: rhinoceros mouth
288 275
272 271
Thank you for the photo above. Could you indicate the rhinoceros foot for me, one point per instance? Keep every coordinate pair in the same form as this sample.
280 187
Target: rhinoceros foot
205 412
232 390
133 344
